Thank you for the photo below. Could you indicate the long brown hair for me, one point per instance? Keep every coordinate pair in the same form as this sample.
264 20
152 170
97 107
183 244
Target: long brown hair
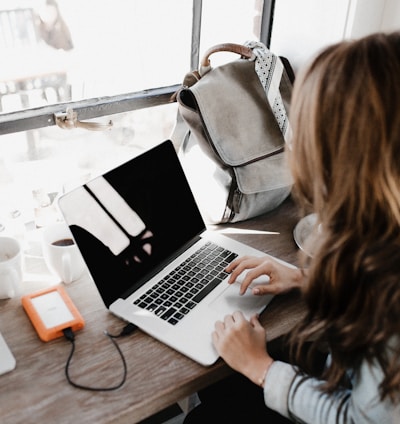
345 160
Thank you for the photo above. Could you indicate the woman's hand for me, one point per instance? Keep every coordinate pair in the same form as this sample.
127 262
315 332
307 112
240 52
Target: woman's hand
282 278
242 344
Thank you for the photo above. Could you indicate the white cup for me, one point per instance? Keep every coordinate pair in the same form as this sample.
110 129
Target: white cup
10 267
61 254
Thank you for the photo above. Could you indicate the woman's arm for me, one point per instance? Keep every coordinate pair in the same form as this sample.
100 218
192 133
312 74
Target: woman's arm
299 397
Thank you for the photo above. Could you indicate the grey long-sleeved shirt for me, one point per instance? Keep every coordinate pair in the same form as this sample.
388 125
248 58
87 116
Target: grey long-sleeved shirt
291 394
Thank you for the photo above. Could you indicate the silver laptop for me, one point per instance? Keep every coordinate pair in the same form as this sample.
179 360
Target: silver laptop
7 360
150 255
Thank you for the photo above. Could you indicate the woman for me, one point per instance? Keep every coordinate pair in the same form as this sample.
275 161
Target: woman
345 161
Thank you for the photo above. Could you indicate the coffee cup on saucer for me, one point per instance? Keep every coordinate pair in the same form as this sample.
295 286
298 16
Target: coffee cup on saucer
10 267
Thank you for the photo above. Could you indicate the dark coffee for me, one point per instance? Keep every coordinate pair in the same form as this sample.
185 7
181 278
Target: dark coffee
63 242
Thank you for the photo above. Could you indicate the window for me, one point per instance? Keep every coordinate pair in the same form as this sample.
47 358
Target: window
119 61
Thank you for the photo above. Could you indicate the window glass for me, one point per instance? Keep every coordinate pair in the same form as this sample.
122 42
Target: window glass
229 21
60 50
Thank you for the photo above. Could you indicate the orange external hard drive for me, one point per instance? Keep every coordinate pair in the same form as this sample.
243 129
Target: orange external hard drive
51 311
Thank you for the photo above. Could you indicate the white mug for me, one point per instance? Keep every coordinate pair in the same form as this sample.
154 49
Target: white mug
10 267
61 254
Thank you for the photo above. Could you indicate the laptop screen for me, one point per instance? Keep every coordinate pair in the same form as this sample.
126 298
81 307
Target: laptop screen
130 220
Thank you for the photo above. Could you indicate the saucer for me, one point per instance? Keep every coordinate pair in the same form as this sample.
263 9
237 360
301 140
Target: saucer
303 230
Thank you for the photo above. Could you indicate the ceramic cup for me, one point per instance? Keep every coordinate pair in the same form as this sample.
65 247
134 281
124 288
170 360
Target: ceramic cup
61 254
10 267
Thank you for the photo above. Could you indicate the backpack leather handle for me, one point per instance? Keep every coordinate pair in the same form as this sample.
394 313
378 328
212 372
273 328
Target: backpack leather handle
243 51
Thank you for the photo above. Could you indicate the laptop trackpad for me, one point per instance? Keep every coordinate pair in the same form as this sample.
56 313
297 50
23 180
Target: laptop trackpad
231 300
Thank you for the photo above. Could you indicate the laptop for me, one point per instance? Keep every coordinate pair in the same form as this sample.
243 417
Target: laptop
148 250
7 360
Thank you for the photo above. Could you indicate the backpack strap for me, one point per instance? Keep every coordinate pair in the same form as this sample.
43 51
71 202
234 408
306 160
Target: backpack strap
269 69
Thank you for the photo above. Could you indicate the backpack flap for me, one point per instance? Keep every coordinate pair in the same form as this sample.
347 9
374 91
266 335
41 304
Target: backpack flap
228 111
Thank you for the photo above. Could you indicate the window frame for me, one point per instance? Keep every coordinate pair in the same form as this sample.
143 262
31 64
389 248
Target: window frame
45 116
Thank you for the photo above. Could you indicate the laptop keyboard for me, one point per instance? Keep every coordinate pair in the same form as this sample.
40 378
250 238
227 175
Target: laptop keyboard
182 289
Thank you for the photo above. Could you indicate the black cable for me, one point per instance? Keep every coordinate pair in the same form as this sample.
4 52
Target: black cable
69 335
128 329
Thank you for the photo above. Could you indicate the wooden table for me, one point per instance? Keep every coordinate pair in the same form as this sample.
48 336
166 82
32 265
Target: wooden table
37 390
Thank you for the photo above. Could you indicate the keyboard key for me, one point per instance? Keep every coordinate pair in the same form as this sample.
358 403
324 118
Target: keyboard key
168 313
207 290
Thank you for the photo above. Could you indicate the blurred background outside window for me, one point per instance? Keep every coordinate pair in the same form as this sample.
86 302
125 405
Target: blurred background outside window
60 51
